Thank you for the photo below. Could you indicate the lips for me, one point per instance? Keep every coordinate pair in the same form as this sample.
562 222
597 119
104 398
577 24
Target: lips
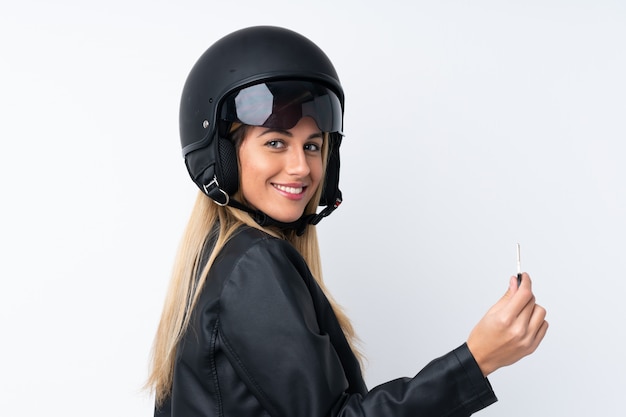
289 190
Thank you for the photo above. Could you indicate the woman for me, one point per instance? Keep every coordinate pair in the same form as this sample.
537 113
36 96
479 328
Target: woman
248 328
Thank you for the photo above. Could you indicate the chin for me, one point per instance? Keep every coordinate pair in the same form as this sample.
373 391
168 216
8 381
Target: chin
286 217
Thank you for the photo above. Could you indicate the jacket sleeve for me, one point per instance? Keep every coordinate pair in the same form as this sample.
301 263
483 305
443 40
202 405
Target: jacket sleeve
270 334
451 385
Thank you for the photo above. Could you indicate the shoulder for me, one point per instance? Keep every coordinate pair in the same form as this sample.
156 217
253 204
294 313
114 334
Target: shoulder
258 280
250 244
266 288
255 257
246 238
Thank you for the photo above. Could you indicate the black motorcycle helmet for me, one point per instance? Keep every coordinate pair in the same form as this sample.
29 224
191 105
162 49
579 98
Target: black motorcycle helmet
261 76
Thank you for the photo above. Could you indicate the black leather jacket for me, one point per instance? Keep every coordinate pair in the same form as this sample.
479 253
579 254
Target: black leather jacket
264 341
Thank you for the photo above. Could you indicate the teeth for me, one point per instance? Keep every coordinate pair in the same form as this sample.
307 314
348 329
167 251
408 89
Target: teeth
290 190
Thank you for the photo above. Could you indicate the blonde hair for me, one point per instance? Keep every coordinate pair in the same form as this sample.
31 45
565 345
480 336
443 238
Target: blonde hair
184 291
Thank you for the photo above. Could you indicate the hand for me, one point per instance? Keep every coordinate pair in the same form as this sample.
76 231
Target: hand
511 329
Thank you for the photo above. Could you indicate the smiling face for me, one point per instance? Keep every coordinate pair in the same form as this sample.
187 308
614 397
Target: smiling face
280 170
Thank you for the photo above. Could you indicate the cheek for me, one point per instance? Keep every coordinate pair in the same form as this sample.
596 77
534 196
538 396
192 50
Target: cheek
254 173
246 170
316 170
248 173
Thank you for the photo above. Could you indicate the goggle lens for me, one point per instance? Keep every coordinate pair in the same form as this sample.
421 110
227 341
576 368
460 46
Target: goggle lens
281 104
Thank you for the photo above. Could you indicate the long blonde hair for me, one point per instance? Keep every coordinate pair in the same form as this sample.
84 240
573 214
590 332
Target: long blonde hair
184 290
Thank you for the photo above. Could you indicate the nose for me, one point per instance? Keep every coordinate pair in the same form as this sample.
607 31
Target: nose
297 163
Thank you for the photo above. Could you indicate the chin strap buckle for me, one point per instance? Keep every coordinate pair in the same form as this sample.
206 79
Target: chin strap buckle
314 219
215 193
329 209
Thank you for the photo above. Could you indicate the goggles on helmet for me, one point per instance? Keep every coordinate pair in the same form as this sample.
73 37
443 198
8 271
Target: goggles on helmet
281 104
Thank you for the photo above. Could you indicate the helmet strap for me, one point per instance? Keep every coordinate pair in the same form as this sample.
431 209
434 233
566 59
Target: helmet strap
299 225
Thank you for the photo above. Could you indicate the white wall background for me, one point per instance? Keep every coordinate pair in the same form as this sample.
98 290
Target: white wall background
471 125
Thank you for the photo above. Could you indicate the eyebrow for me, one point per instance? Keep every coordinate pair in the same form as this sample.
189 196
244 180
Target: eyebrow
288 133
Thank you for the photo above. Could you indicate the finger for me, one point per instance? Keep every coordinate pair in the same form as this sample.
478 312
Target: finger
510 303
523 296
541 332
504 301
524 315
526 281
538 318
536 328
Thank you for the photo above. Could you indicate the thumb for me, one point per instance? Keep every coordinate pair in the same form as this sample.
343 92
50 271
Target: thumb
504 300
511 290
